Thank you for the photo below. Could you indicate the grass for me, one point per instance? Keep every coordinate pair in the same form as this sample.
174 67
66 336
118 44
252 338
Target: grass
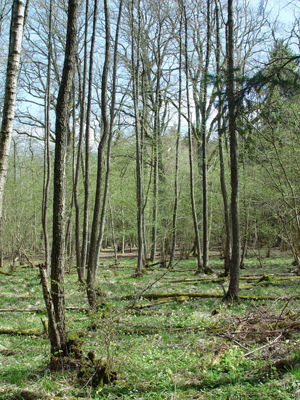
184 349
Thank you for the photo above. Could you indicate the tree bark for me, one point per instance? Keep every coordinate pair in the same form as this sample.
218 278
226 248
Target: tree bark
233 288
87 143
204 145
156 147
8 112
47 163
93 257
175 209
135 60
227 246
110 137
61 134
80 266
192 184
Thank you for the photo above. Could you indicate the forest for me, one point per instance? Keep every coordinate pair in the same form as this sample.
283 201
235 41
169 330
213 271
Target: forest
149 194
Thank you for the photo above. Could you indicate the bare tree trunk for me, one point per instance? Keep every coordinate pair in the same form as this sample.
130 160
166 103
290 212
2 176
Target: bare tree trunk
175 209
155 192
135 55
80 265
68 239
98 231
47 164
8 112
55 338
59 198
115 246
156 147
93 256
227 249
192 185
87 143
204 145
233 288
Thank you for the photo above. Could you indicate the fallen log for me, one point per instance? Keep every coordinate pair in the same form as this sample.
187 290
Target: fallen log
5 273
39 310
28 395
203 280
273 278
213 329
155 296
20 332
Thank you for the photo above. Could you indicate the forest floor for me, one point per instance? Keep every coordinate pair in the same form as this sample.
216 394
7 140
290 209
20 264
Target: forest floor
167 334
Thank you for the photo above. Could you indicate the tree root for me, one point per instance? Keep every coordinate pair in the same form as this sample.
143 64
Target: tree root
90 371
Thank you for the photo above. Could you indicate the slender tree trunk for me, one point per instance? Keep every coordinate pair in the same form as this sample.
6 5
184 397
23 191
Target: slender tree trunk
227 247
8 112
79 264
175 209
98 231
59 198
68 239
233 288
47 163
155 193
204 145
192 185
156 142
87 142
135 51
115 246
93 256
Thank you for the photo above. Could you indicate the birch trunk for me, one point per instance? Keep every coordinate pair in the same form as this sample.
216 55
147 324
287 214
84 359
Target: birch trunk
8 112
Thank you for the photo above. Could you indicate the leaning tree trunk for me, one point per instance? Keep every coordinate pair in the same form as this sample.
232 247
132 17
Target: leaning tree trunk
61 133
233 288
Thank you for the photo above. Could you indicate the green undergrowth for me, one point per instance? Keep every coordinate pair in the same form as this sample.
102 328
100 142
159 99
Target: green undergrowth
160 349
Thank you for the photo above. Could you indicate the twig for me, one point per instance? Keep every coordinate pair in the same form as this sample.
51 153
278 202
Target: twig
253 333
282 312
227 336
138 296
139 307
266 345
